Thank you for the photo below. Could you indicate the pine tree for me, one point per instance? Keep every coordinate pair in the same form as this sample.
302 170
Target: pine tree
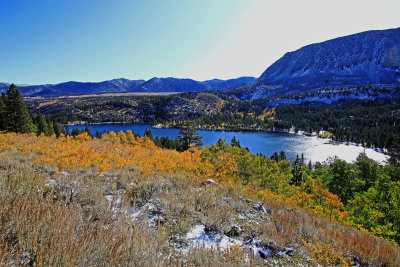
67 131
58 129
76 132
221 143
4 98
149 134
50 128
394 151
282 156
275 157
88 131
188 135
297 172
310 165
157 141
19 119
41 124
235 142
3 114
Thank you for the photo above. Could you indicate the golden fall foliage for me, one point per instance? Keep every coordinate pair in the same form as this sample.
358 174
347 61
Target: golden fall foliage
113 151
124 150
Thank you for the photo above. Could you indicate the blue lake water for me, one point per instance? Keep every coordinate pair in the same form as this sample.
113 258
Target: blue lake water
313 148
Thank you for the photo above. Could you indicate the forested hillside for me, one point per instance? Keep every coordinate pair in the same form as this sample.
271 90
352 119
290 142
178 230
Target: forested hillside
364 115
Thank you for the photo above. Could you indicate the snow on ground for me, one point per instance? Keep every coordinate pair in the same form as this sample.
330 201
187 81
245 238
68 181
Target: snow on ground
132 212
200 238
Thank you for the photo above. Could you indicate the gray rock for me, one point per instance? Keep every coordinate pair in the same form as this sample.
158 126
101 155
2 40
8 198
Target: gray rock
371 57
259 207
235 231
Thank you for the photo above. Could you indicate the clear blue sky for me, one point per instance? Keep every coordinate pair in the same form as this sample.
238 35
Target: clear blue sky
51 41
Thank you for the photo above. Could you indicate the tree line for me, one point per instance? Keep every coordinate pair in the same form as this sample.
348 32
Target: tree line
366 122
15 117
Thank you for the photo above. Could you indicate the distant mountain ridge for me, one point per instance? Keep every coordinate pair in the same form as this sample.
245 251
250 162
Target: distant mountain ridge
124 85
367 57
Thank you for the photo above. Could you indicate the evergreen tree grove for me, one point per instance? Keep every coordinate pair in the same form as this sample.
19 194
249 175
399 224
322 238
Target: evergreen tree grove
275 157
18 118
3 114
394 151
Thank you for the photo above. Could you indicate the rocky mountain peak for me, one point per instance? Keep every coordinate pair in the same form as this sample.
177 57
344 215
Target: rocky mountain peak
371 57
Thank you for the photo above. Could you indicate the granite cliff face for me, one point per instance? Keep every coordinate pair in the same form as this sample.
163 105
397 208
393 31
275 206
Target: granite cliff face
371 57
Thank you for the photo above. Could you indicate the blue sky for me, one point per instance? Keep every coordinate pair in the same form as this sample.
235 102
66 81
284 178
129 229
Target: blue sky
51 41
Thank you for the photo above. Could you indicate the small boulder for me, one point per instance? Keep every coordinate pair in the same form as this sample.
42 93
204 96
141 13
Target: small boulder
259 207
234 231
209 182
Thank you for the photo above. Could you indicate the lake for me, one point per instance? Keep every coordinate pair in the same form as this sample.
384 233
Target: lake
313 148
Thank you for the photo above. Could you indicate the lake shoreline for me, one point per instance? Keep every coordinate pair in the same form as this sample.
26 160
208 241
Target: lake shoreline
300 132
258 141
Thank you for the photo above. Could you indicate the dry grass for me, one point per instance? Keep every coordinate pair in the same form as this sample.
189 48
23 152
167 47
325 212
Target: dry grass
67 225
48 217
47 232
300 228
57 218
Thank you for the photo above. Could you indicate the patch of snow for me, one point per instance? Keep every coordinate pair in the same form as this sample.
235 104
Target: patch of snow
199 238
258 250
286 252
154 220
241 216
64 174
227 242
116 204
50 182
211 181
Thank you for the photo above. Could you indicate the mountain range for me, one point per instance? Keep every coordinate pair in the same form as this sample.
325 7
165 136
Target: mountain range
366 58
125 85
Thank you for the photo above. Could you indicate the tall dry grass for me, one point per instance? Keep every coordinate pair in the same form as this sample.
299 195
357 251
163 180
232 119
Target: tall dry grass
299 228
49 217
54 233
52 218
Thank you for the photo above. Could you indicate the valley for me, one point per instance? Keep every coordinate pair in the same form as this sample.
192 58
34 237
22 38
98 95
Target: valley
298 167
